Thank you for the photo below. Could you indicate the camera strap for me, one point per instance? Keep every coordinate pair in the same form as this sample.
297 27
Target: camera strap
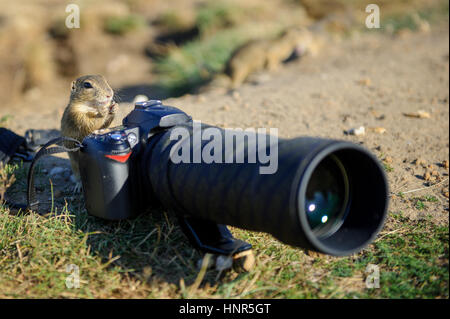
32 202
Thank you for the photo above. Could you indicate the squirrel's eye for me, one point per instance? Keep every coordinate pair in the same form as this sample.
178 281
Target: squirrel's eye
87 85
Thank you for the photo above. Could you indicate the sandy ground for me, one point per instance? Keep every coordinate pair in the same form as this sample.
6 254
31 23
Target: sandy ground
371 80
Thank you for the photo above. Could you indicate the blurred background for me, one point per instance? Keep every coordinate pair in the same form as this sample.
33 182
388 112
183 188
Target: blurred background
163 48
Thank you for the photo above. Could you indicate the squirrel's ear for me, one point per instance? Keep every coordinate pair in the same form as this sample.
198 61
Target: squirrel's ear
73 86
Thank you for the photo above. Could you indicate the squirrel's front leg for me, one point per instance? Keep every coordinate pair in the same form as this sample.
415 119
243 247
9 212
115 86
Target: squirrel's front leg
111 114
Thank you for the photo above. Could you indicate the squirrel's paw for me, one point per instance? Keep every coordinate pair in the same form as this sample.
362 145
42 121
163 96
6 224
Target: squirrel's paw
113 108
77 188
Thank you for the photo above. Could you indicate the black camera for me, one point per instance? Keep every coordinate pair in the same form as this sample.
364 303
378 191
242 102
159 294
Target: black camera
324 195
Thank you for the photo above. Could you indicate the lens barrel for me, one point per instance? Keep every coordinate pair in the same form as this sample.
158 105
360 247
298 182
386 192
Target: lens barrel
326 195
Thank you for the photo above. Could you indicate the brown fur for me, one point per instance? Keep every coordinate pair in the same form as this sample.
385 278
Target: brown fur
269 53
89 109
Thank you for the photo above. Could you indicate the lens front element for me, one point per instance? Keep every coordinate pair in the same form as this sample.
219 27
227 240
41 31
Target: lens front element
327 197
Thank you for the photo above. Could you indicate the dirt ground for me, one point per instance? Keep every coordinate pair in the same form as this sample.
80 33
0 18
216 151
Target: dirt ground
370 80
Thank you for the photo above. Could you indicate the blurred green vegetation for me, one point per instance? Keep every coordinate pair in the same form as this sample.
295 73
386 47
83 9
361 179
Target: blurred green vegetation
412 20
4 119
217 16
222 29
123 25
196 62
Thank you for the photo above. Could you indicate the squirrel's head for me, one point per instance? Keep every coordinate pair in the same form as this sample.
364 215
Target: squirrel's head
300 37
92 91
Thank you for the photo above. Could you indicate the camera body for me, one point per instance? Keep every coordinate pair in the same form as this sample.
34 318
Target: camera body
114 173
325 195
111 161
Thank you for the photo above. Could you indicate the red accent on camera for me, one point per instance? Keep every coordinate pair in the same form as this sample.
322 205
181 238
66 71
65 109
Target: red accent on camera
119 158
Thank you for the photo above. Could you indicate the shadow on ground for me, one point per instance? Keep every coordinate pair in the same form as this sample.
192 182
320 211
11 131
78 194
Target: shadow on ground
150 247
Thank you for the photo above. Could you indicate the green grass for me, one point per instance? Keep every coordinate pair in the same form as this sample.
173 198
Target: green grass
222 29
149 257
209 18
412 258
420 205
35 252
4 120
123 25
414 264
217 15
397 22
420 202
430 198
195 63
387 167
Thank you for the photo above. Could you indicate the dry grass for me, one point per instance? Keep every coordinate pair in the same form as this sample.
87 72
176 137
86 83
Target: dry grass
149 257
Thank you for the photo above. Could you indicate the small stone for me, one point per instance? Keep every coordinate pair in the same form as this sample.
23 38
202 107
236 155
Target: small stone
388 159
379 130
445 164
346 118
420 162
223 262
357 131
236 95
435 173
365 82
445 192
419 114
427 176
226 107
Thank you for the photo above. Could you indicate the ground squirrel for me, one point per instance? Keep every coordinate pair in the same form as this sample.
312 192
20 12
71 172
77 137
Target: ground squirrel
269 53
91 107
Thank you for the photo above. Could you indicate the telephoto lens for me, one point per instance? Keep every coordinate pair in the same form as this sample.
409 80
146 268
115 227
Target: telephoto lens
326 195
